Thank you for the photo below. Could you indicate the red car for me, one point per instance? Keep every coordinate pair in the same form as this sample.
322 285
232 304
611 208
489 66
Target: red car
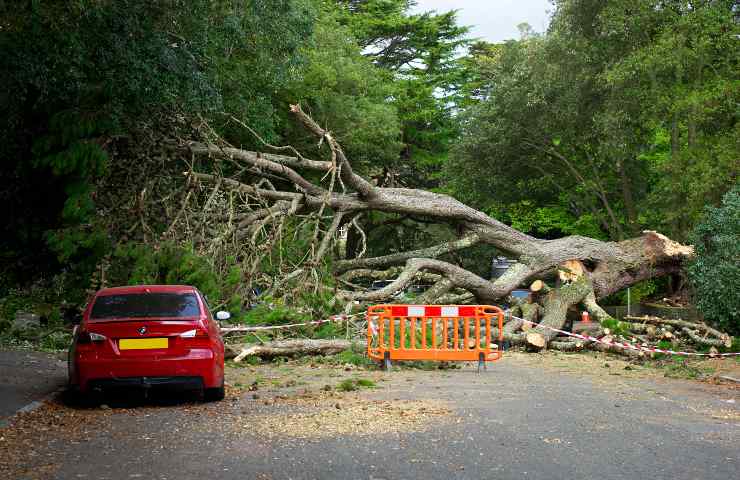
148 336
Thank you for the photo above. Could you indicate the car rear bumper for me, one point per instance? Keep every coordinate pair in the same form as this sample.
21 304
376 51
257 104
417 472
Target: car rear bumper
170 383
93 371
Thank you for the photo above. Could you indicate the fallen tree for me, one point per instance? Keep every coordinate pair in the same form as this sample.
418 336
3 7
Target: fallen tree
587 269
290 348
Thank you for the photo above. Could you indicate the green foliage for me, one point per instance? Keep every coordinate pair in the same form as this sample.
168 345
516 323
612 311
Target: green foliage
15 301
45 300
76 77
347 385
272 311
715 273
353 357
267 314
253 54
169 264
550 221
422 51
352 384
629 130
681 367
664 345
622 117
615 326
44 339
346 93
638 292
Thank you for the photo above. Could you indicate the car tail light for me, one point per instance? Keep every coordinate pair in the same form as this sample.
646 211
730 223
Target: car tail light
195 337
89 337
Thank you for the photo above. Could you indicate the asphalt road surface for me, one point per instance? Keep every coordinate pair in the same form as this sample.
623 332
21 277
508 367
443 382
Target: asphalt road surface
26 377
528 416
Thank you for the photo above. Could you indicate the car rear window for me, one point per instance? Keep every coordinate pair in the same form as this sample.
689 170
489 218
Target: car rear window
143 305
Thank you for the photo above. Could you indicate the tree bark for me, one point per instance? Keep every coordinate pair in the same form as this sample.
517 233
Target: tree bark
291 348
555 305
608 266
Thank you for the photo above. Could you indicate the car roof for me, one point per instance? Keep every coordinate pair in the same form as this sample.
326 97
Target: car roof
146 289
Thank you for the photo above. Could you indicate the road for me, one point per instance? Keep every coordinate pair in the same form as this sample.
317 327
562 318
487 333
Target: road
529 416
27 376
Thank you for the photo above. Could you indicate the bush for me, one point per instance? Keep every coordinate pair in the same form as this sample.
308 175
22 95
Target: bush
715 272
170 264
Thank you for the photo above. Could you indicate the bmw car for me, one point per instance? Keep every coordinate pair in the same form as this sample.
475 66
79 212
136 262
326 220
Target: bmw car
148 336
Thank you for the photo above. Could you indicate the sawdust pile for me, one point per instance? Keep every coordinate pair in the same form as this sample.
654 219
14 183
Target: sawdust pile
352 418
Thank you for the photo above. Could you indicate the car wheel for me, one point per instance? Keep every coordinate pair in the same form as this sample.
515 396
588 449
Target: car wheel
214 394
76 399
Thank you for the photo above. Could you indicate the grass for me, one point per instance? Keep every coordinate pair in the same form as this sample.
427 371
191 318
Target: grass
353 358
352 384
365 382
46 339
682 368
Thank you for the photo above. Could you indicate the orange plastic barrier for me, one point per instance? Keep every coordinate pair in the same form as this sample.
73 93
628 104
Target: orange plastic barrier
434 332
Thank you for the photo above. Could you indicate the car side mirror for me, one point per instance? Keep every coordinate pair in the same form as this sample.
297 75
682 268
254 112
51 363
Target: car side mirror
222 315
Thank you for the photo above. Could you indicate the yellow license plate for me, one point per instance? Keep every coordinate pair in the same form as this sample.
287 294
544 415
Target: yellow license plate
142 343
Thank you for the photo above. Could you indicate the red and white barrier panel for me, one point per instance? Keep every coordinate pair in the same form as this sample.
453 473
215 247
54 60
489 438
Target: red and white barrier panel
432 311
629 346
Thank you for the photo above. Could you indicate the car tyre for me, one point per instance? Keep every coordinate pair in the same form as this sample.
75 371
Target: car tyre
214 394
76 399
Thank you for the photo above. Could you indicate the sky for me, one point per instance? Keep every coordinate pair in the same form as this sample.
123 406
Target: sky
493 20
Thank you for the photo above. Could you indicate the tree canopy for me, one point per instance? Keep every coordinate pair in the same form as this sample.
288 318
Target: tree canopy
621 117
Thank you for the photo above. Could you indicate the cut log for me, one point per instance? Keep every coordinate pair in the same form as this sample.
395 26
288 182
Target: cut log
539 286
568 345
724 341
619 351
677 322
590 327
292 348
535 340
711 336
529 312
555 306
